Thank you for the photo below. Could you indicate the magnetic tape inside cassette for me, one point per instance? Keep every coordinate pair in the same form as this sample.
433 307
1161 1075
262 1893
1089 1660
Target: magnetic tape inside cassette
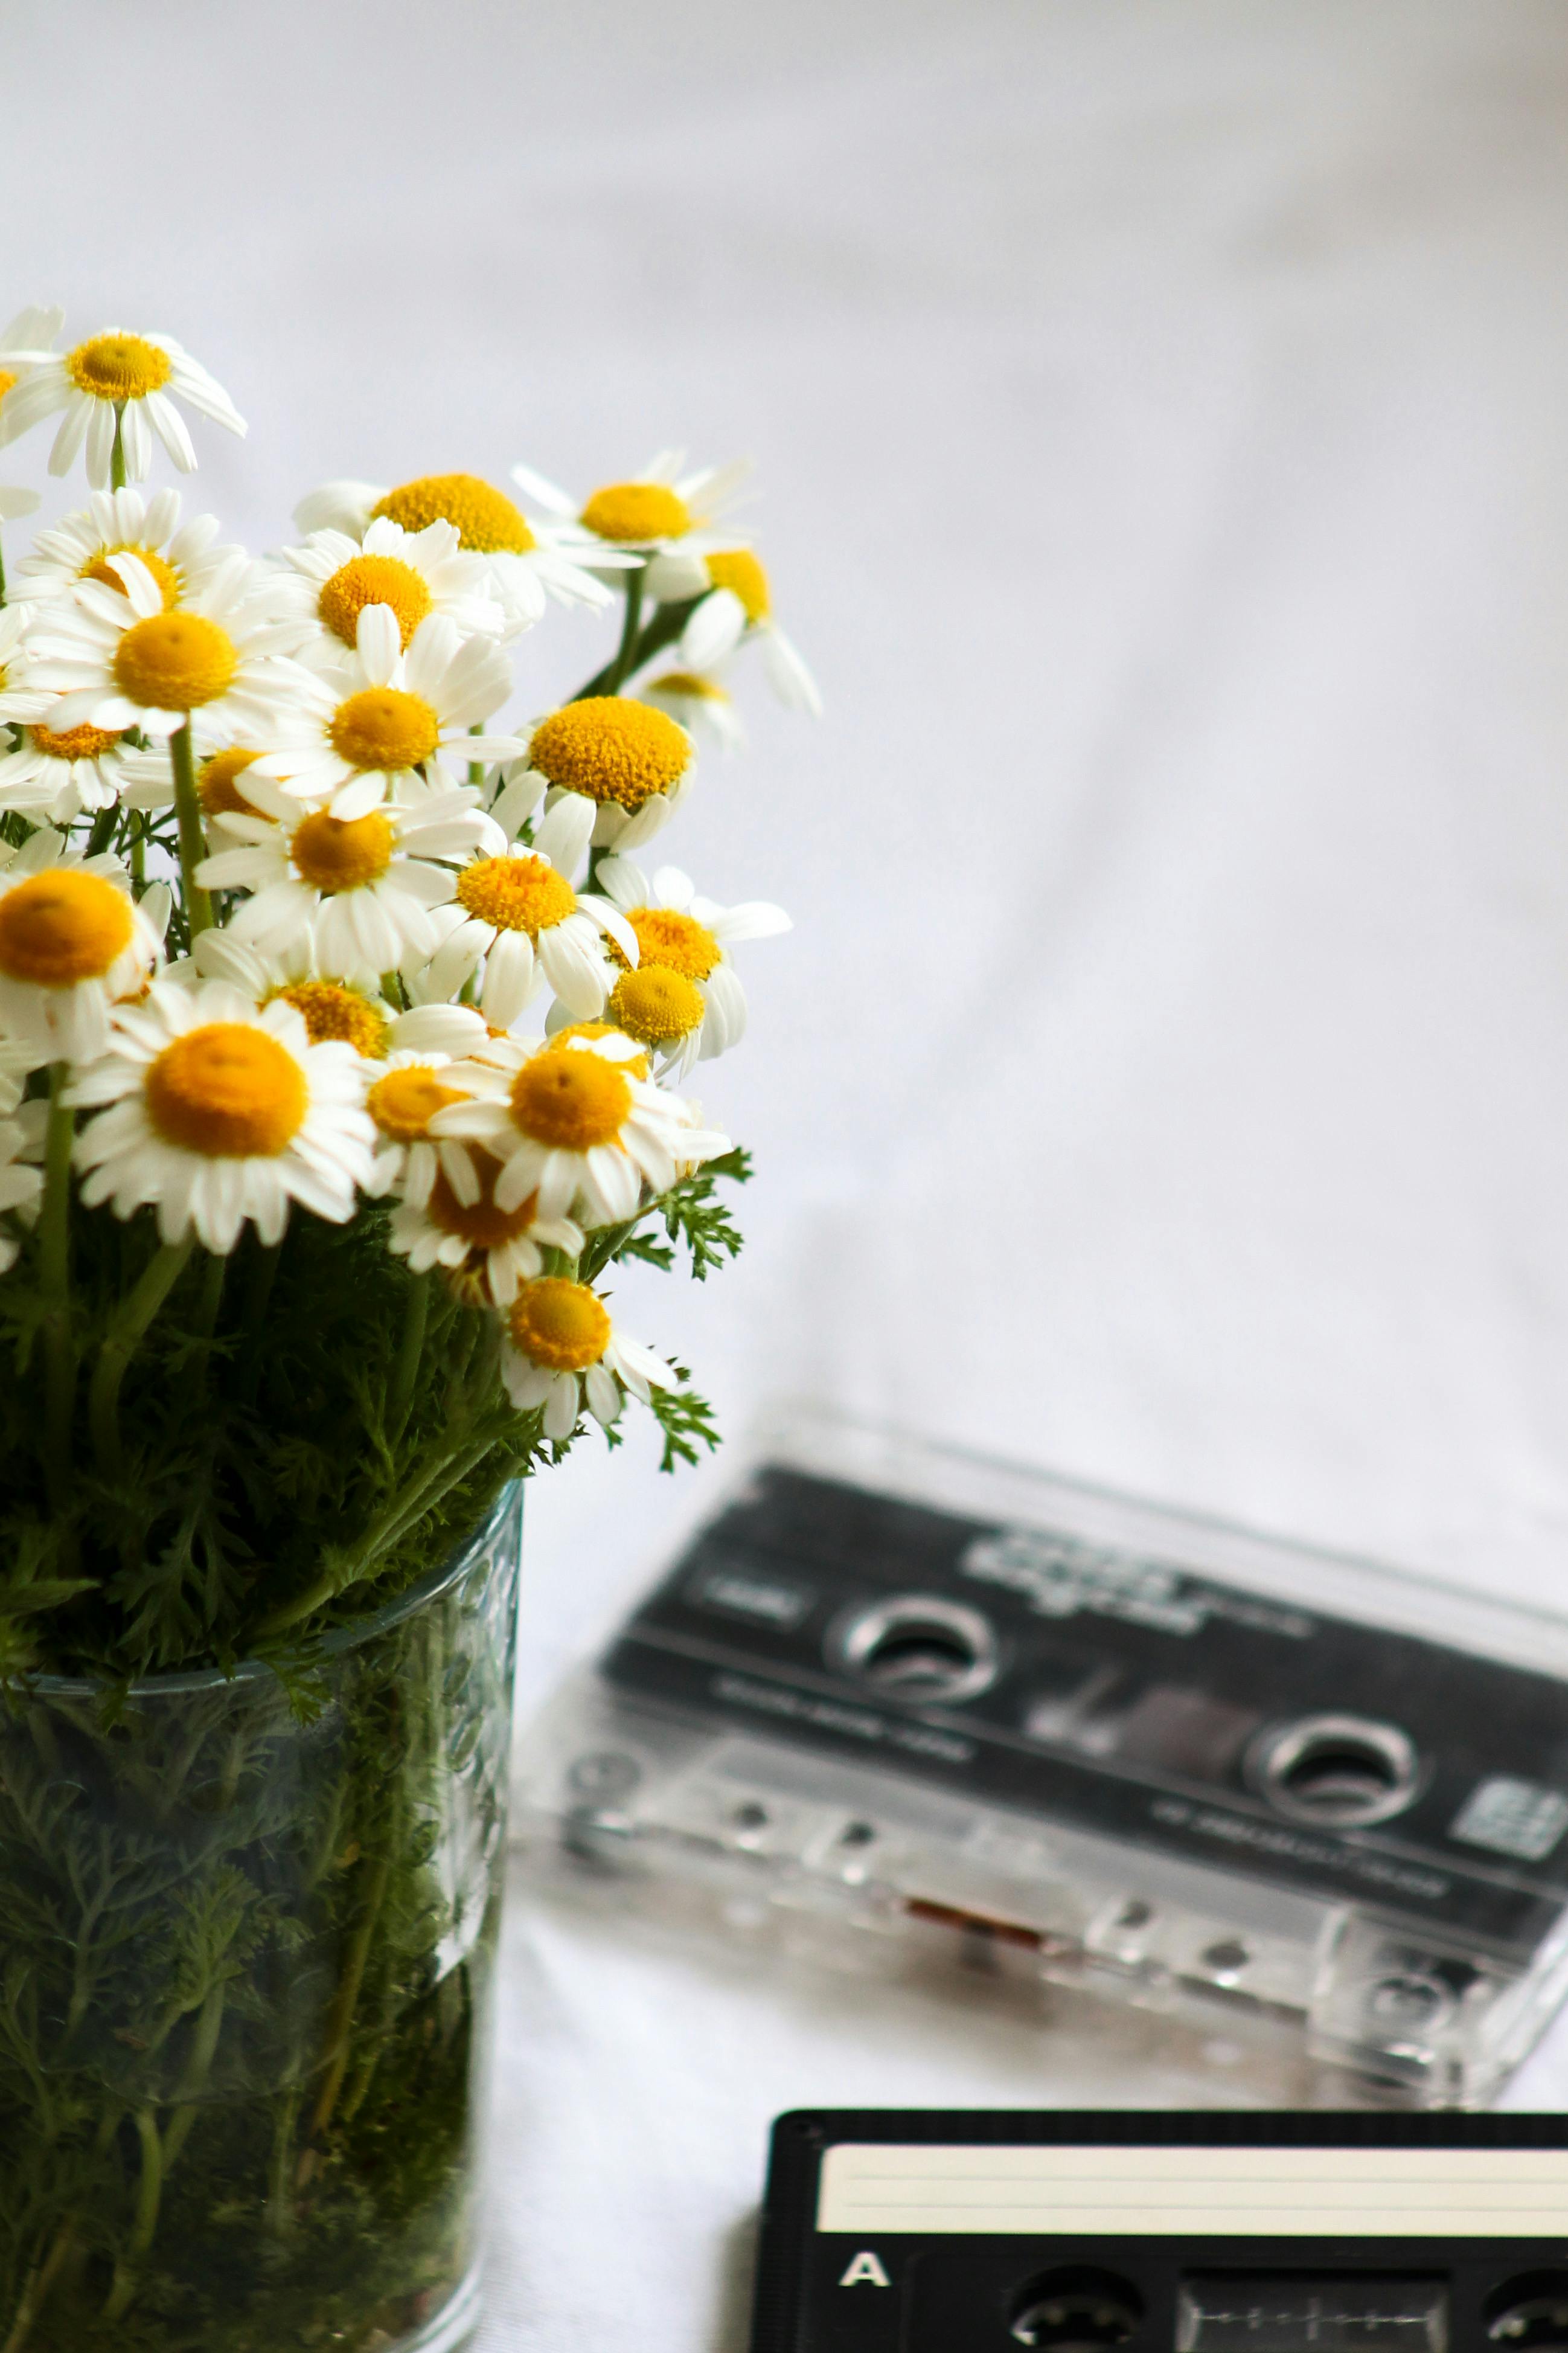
891 1698
920 2233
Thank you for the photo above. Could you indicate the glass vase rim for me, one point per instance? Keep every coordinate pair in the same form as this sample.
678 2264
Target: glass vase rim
182 1681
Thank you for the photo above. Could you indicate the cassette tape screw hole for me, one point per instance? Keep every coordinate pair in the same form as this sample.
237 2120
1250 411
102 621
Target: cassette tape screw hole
1410 2005
1077 2311
1226 1959
1136 1914
1341 1772
1530 2311
919 1648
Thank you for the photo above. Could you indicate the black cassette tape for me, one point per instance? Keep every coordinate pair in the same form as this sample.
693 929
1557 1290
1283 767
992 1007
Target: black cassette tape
893 1703
887 2232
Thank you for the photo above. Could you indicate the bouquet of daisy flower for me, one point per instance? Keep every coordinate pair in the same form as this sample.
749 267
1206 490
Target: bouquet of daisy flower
343 1036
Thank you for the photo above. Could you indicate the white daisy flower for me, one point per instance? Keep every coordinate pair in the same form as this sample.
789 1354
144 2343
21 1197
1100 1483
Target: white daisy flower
219 1114
114 375
31 330
72 942
180 556
21 696
406 1089
332 578
518 913
355 728
18 1060
633 762
660 507
21 1180
455 1221
120 659
331 1005
528 561
733 603
687 938
58 773
360 887
700 701
573 1124
562 1352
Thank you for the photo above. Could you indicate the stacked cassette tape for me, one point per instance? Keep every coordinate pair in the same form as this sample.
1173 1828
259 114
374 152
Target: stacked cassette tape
922 2231
895 1705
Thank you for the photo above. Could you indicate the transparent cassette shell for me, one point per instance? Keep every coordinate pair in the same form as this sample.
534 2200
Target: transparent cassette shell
712 1818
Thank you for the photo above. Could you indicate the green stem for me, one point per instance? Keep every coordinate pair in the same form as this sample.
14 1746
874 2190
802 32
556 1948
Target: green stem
124 1337
415 1316
203 2048
42 2279
102 832
54 1277
666 626
346 2002
117 455
624 651
150 2191
193 848
280 2212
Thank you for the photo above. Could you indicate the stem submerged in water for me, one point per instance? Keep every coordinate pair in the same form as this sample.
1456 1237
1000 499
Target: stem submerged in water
54 1279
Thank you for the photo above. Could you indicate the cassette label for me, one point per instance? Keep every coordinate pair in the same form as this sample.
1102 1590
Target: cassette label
1163 2233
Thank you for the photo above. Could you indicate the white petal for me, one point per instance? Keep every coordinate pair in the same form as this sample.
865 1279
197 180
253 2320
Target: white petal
564 831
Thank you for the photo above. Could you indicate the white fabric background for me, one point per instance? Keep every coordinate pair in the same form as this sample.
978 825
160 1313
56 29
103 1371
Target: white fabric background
1161 410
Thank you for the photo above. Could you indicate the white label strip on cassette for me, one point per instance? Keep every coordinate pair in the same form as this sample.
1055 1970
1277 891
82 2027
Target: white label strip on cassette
1088 2189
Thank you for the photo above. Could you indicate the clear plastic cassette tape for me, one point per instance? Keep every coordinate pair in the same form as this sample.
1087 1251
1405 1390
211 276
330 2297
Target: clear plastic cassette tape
903 1707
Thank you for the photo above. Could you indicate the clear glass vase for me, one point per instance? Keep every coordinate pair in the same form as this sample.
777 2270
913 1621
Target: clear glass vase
247 1943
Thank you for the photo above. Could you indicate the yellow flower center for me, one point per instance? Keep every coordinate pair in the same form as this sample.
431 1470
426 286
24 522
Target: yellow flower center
337 854
61 927
374 580
611 749
569 1102
479 1223
485 519
6 380
656 1006
737 569
678 942
217 790
384 727
333 1010
636 511
163 571
693 683
516 894
176 662
73 742
404 1104
229 1092
635 1065
559 1325
118 367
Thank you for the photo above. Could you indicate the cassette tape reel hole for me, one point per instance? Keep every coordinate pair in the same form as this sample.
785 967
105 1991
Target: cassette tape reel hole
1339 1772
1077 2310
1529 2312
918 1647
